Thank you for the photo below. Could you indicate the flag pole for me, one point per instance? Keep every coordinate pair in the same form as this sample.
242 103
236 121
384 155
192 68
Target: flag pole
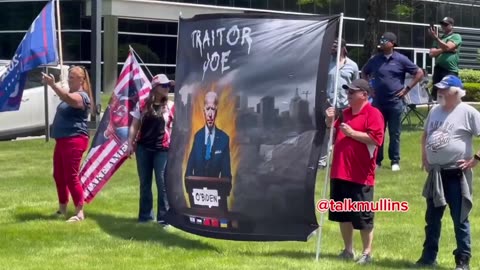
327 169
59 30
138 56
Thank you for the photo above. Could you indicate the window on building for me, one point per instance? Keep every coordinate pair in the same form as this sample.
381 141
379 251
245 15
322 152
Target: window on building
352 8
242 3
259 4
276 5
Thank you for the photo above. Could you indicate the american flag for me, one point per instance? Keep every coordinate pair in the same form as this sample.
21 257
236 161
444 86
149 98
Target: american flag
108 150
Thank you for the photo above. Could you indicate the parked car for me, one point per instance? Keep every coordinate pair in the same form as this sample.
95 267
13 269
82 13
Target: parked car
29 120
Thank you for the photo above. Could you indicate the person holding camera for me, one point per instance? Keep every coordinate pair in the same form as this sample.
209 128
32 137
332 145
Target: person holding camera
446 51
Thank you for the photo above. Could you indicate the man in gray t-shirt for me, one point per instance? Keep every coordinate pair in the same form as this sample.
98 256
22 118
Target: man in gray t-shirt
447 156
347 72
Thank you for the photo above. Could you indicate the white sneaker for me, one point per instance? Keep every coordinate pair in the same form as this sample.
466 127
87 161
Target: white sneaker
395 168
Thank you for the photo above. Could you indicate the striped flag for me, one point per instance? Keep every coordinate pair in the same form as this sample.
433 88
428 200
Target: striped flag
108 150
38 47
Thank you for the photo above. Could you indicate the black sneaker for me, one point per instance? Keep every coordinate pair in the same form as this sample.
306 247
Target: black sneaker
422 263
462 262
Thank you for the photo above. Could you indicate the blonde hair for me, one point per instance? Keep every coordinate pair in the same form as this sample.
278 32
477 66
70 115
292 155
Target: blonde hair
86 86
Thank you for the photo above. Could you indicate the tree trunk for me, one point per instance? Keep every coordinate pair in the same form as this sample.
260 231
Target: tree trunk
375 10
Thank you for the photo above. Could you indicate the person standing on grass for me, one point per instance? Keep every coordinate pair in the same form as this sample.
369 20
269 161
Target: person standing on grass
446 51
70 131
387 71
347 72
358 134
149 137
448 157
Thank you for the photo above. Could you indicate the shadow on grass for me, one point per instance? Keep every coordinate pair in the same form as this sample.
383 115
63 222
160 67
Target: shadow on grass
130 229
293 254
304 255
401 264
24 217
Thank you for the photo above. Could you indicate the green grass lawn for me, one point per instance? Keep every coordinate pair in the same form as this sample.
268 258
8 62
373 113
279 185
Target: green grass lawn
110 238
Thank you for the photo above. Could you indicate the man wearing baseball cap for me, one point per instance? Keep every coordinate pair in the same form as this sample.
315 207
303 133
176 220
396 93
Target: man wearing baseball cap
448 157
446 51
387 70
358 134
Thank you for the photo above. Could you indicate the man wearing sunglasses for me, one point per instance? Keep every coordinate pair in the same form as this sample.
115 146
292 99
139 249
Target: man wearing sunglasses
446 51
387 72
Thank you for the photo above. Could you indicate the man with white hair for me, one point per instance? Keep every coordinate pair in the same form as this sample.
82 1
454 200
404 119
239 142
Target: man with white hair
210 153
448 157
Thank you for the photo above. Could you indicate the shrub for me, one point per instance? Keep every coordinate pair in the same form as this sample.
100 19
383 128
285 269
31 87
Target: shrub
473 91
470 75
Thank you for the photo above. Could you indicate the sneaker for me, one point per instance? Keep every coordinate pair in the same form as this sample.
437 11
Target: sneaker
142 220
364 259
395 168
421 263
345 255
162 222
462 263
322 163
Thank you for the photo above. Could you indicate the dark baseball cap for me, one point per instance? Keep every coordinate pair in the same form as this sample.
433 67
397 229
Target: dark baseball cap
358 85
447 20
390 37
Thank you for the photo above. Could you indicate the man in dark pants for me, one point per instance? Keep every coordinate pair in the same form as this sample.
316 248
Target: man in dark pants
387 72
446 51
448 157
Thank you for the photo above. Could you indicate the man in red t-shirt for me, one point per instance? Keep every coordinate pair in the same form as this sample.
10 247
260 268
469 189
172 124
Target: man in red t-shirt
358 134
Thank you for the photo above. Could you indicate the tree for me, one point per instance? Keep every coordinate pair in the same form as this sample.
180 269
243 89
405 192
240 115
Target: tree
375 10
374 13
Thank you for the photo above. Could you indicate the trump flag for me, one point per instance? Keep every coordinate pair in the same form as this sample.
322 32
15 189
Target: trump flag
38 47
108 150
250 100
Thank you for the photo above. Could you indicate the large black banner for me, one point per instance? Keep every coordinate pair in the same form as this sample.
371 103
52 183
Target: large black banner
249 124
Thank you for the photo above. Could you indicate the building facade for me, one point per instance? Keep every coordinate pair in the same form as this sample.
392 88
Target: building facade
150 27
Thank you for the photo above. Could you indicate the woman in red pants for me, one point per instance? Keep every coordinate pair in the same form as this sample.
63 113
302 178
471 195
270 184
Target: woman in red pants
70 131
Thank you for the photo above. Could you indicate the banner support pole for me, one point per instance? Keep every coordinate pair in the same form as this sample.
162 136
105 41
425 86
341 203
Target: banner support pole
60 49
327 169
46 109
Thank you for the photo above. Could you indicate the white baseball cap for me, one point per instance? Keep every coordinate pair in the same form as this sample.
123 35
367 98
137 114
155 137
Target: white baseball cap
160 79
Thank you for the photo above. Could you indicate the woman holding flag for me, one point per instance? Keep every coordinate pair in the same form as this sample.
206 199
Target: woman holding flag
149 138
70 131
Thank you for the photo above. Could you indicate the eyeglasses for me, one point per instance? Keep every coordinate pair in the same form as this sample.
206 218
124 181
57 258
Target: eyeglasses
82 67
74 66
384 40
351 91
163 85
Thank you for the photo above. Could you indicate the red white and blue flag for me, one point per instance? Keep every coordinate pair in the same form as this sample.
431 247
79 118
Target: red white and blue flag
108 150
38 47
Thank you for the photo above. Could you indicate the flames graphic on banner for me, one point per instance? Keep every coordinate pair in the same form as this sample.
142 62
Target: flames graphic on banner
226 120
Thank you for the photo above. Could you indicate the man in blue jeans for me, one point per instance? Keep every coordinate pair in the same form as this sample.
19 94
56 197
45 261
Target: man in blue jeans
448 157
387 71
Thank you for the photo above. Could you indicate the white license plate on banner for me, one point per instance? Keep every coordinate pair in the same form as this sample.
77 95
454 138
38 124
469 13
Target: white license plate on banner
206 197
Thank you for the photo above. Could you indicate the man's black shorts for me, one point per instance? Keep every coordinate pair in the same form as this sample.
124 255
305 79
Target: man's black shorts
340 190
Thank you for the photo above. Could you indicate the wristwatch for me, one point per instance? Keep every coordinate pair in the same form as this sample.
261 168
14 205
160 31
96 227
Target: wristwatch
477 157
